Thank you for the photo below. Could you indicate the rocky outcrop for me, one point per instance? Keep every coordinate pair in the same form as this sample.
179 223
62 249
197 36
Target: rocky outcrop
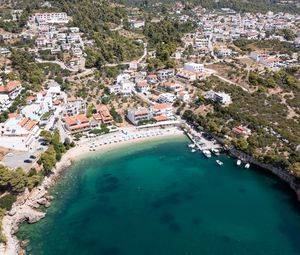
26 209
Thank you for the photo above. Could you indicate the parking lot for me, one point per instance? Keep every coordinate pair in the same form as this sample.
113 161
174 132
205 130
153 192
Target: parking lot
16 159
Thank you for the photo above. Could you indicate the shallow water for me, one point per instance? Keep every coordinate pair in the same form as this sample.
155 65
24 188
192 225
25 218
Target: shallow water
159 198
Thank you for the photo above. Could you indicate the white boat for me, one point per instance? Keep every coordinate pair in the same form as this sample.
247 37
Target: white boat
193 150
192 145
219 162
207 153
247 165
239 162
215 151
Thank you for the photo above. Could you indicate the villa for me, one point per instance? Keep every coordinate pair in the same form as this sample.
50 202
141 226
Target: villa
74 106
12 89
218 97
135 115
77 124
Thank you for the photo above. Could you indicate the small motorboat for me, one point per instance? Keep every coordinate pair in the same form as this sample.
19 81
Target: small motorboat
239 162
247 165
215 151
219 162
193 150
192 145
207 153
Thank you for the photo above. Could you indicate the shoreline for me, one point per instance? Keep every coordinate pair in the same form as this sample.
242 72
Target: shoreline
27 204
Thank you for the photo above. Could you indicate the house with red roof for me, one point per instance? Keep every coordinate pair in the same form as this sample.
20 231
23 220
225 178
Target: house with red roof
12 89
77 124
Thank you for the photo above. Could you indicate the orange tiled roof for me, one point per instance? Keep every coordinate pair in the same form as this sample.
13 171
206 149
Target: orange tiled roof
97 116
70 121
23 122
12 115
161 118
82 118
162 106
31 124
80 126
71 99
10 86
142 83
30 98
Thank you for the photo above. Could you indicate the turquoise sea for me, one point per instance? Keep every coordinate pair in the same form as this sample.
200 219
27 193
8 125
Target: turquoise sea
158 198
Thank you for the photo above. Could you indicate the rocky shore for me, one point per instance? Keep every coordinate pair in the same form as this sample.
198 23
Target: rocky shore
26 209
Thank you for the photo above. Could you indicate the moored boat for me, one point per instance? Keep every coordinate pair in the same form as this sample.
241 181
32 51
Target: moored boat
207 153
247 165
219 162
215 151
239 162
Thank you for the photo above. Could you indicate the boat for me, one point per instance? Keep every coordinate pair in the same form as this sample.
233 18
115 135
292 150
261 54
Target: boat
193 150
215 151
247 165
192 145
207 153
219 162
239 162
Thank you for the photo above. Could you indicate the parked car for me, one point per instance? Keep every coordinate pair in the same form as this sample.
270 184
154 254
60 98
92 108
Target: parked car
27 161
32 157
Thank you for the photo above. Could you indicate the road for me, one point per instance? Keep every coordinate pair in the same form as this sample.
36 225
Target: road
214 72
61 64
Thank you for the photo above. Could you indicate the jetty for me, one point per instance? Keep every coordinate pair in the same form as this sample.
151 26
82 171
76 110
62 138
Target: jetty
202 143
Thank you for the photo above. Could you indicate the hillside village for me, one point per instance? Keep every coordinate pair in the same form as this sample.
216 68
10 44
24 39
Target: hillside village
135 94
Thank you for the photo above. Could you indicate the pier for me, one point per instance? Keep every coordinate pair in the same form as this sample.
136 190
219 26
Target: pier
202 143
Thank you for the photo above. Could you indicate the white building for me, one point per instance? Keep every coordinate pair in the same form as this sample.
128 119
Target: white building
191 66
12 89
224 52
187 75
183 95
18 133
165 74
136 115
52 17
218 97
142 86
5 102
136 23
74 106
163 109
166 98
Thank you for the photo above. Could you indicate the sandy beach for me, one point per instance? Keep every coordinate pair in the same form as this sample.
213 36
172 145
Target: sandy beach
27 204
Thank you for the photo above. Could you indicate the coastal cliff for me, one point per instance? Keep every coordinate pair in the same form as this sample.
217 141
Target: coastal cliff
283 174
